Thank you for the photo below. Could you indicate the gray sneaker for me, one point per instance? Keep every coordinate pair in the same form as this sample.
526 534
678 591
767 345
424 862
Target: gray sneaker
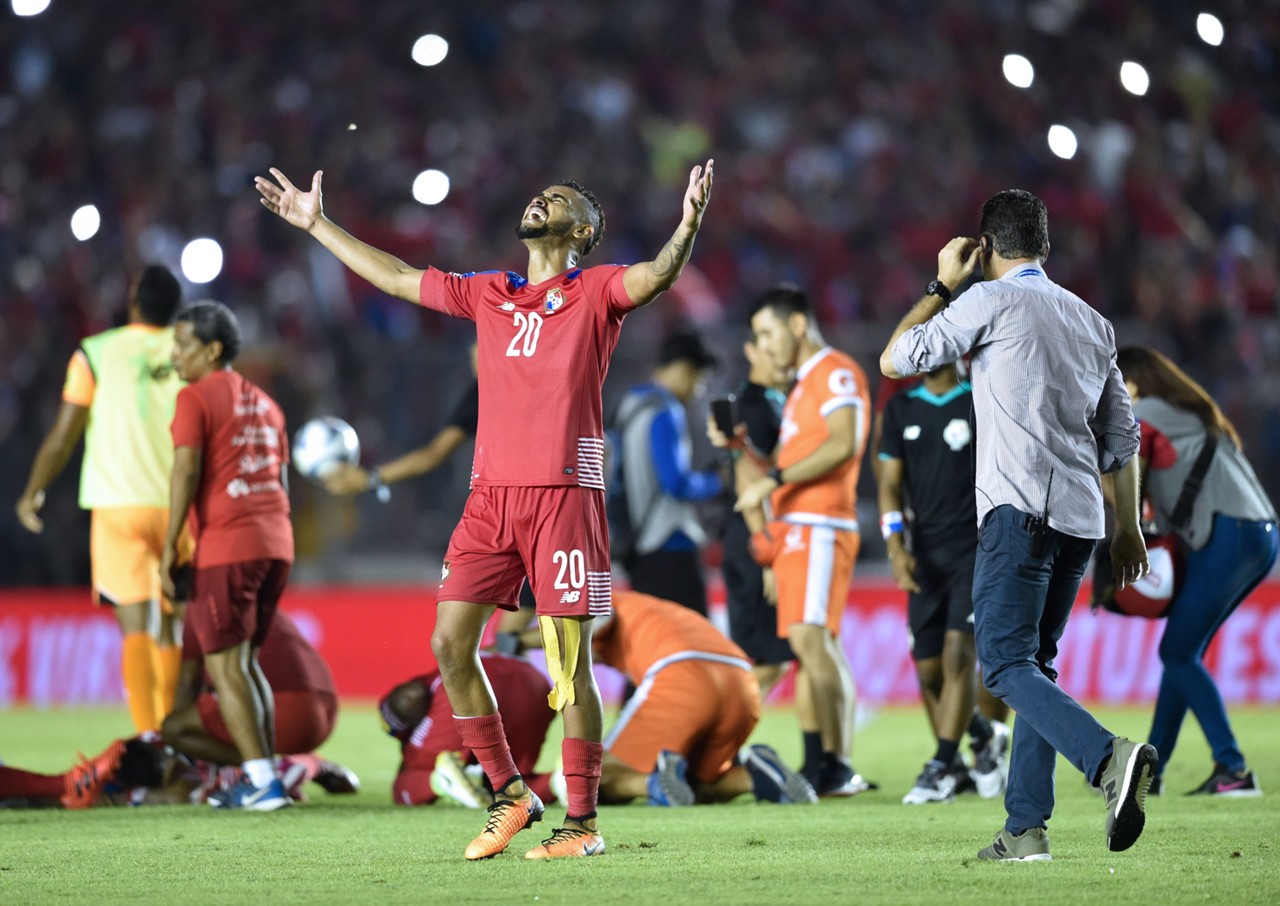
1032 845
1125 783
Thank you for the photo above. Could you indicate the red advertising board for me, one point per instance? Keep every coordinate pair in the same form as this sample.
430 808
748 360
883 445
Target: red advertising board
56 649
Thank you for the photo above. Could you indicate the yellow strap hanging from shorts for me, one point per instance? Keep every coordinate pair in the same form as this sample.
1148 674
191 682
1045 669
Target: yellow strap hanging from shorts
562 669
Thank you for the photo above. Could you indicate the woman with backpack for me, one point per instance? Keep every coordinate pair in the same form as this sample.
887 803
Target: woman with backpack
1202 488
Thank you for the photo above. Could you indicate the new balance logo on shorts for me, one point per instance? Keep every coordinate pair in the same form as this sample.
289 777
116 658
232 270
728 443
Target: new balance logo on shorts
570 597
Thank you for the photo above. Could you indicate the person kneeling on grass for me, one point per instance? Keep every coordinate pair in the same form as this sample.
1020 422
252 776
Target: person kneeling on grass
306 709
436 763
681 738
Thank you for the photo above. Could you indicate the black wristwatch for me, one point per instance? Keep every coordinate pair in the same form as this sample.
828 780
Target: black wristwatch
939 289
776 474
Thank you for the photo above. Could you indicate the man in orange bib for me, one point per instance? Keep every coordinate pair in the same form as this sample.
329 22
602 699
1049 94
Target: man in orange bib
119 396
811 539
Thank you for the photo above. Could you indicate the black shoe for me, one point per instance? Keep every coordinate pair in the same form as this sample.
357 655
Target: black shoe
1223 782
963 776
835 778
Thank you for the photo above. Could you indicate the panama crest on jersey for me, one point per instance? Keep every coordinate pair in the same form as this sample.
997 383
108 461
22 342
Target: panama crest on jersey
555 299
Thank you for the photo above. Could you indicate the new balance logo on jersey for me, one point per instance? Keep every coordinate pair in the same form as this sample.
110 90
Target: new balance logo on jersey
570 597
507 306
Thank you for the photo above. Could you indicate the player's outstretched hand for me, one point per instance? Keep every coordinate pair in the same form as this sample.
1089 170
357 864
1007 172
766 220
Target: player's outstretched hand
302 209
698 194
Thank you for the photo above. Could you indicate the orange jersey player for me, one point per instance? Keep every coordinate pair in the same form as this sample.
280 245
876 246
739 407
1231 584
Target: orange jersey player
680 737
812 541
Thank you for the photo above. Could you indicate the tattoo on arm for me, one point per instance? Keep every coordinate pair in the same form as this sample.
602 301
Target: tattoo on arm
671 259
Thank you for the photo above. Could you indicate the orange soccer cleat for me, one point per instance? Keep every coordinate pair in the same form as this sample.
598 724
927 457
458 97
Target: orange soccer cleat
507 817
568 842
85 781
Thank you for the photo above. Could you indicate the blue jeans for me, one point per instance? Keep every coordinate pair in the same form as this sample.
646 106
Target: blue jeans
1021 602
1238 556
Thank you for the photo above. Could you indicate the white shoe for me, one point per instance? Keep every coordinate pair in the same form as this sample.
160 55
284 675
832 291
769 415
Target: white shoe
935 784
991 762
450 782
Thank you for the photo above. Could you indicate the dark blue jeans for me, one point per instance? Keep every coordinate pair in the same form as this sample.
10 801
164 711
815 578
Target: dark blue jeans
1238 556
1021 603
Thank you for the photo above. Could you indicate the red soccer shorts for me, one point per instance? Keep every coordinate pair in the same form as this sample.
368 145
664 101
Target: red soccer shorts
812 567
304 720
556 536
702 709
233 602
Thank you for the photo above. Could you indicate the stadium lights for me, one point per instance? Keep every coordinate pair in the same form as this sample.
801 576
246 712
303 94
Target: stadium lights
85 222
1062 141
1134 78
1018 70
201 260
430 50
430 187
28 7
1210 29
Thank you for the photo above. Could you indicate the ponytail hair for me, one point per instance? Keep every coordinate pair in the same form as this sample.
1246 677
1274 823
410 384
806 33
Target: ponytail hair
1156 376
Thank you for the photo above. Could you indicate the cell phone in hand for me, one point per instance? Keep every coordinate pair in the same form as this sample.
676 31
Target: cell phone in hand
723 414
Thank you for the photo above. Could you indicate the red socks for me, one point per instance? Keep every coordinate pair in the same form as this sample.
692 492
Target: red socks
582 775
16 784
485 737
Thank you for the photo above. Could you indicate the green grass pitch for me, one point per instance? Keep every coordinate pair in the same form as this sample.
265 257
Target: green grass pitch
871 849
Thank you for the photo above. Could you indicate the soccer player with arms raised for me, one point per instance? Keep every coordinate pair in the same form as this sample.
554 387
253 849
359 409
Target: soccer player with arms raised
537 500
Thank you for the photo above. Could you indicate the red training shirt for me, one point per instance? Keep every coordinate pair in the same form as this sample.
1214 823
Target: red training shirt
543 355
286 657
241 510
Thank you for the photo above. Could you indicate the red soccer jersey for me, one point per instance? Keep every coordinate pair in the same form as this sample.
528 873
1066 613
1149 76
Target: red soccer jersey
241 511
286 657
543 354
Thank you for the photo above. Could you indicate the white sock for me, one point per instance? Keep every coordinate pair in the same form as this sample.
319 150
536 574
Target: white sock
260 770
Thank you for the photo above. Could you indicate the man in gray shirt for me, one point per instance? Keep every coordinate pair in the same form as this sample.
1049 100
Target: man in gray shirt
1052 414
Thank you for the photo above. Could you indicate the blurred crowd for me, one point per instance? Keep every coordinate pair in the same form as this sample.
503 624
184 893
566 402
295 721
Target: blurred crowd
852 140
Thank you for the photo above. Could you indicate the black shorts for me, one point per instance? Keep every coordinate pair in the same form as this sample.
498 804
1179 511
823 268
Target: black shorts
945 603
753 621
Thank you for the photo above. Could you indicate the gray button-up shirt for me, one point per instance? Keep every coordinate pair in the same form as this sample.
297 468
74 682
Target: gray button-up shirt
1052 410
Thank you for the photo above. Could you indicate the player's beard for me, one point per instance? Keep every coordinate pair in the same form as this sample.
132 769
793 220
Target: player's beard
543 230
